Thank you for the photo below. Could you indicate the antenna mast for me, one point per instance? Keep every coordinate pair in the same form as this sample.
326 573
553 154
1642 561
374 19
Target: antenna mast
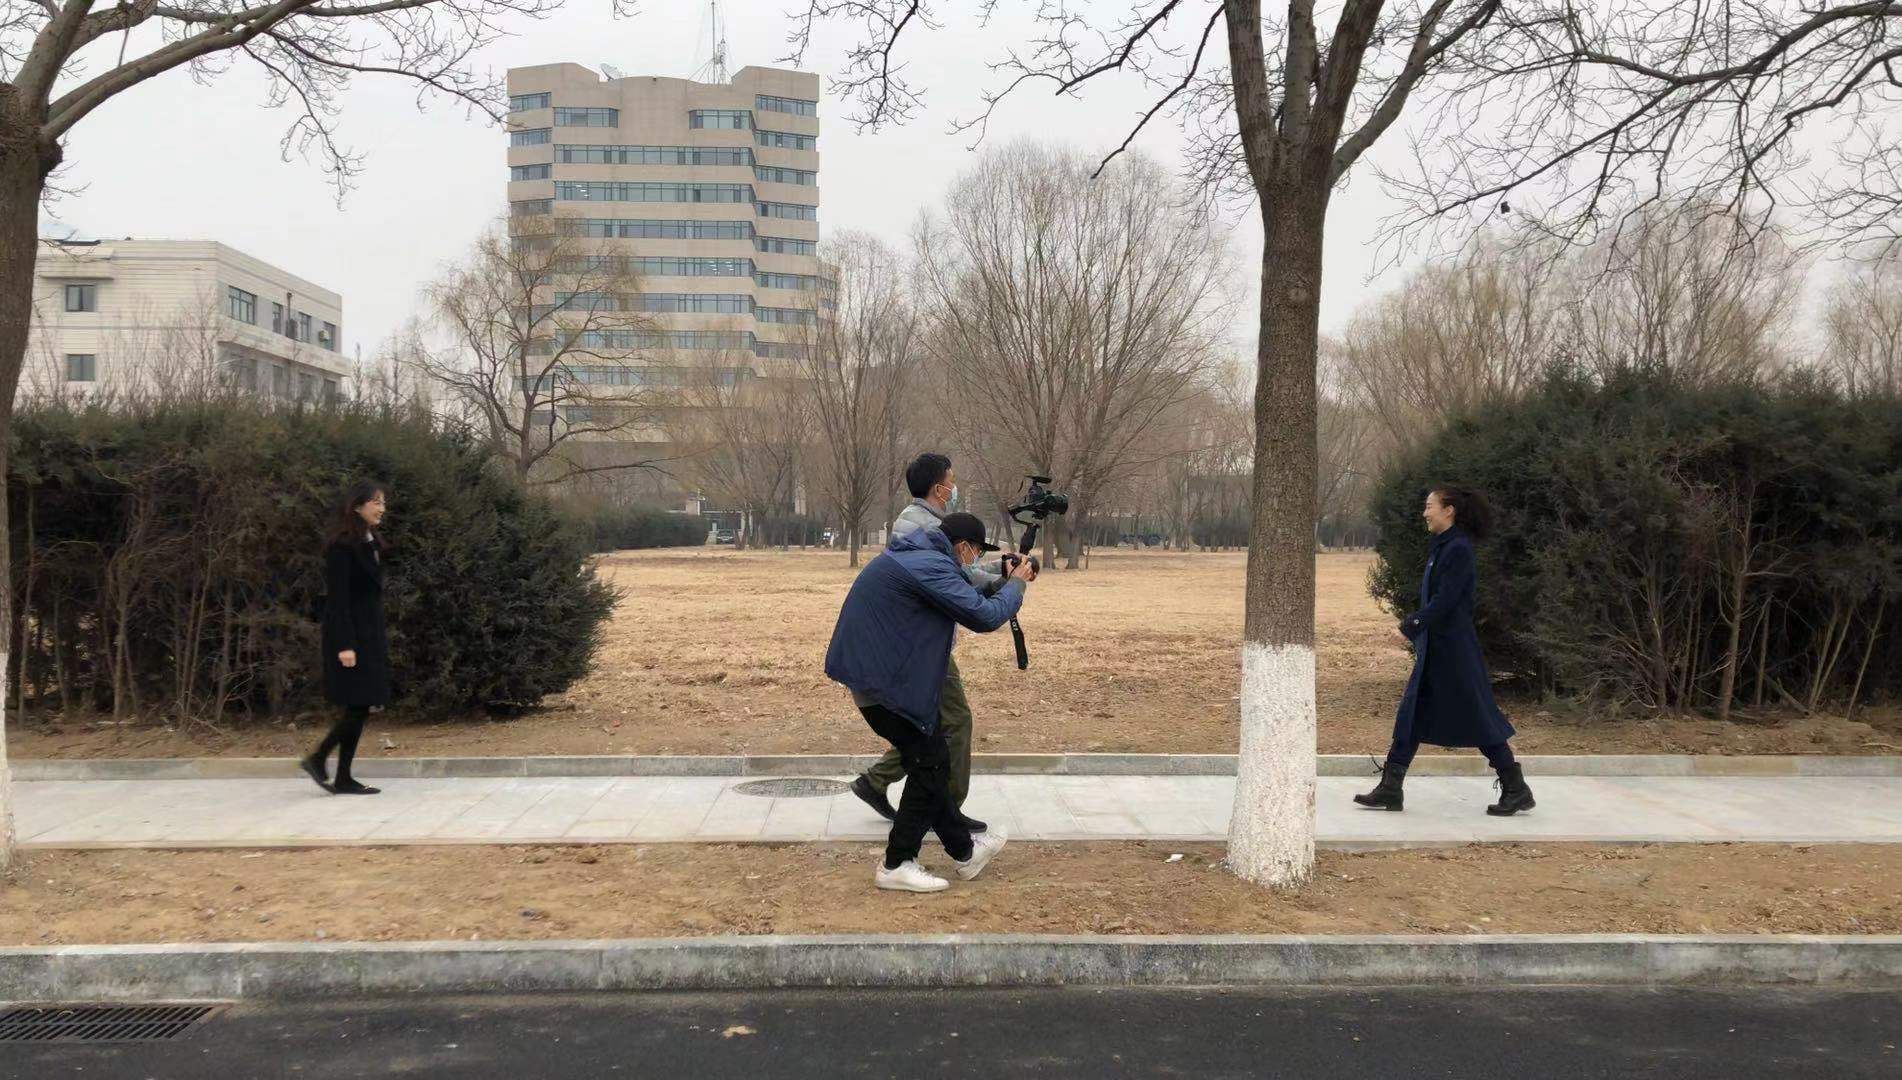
714 70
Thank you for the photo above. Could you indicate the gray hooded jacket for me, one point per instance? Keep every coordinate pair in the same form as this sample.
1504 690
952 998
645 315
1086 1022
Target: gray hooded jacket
988 577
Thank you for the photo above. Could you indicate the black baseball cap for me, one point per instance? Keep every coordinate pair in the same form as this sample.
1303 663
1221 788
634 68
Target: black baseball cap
966 529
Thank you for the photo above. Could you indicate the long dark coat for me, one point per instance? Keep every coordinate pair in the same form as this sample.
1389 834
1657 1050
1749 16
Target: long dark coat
353 619
1449 699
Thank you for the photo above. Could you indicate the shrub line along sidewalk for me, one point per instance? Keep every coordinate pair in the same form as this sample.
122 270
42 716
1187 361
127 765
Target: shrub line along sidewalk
214 972
1055 764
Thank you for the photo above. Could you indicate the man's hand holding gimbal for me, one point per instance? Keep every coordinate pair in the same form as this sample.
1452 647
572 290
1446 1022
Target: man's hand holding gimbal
1023 570
1013 560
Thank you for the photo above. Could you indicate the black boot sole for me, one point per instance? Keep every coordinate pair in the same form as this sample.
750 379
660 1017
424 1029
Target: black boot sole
1508 811
1395 807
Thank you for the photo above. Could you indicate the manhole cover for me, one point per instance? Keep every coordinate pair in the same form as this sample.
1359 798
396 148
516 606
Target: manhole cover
793 787
99 1023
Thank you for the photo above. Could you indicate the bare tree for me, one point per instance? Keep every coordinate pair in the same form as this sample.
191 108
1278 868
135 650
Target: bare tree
857 364
1676 294
549 346
1863 324
1073 314
741 434
1567 115
60 60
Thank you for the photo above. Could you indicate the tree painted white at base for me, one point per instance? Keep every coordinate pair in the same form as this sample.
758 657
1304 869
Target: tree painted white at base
1271 834
6 778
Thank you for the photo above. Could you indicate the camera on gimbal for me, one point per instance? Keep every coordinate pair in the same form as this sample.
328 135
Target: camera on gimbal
1039 502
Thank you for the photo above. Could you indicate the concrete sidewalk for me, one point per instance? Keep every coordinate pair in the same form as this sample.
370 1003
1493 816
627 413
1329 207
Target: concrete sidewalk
1440 810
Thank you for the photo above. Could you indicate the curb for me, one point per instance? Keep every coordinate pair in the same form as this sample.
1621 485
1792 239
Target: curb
296 970
418 768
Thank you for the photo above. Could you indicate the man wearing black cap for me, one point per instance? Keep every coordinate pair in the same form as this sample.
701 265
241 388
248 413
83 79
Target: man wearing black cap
891 648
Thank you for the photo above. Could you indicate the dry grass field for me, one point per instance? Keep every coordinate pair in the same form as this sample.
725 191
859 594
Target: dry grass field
714 651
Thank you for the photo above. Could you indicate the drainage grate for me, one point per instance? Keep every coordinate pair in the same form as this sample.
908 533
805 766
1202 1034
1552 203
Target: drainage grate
797 787
99 1023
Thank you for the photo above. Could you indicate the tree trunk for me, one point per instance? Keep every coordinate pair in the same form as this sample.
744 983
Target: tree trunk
1271 835
24 162
1740 582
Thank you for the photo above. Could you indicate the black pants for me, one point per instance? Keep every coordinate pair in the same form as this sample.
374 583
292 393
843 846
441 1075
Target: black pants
1498 755
926 804
344 735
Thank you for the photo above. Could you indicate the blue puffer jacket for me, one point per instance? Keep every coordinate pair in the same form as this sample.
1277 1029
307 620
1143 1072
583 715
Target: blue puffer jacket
893 640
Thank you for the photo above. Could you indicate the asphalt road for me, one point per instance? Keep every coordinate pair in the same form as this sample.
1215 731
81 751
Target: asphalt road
1313 1034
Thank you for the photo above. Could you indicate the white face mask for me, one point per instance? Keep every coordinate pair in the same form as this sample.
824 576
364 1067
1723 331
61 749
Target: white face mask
951 500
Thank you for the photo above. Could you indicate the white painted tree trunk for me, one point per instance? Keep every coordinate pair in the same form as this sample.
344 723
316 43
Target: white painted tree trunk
1271 832
6 778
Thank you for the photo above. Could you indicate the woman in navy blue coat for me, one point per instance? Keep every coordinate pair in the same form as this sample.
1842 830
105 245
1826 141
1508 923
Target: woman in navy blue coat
1449 699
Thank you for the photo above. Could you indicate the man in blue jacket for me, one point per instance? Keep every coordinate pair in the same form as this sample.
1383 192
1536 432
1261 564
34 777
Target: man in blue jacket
890 648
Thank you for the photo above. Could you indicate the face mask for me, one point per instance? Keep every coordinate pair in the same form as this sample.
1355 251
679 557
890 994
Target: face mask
951 500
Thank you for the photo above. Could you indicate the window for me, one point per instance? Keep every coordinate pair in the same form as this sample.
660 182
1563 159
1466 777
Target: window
653 229
327 337
82 298
797 316
531 137
773 174
782 246
769 103
600 191
82 367
590 301
786 140
306 385
280 381
333 391
246 368
587 117
722 119
719 303
241 305
525 102
789 211
569 154
528 172
781 350
768 280
657 265
531 207
277 318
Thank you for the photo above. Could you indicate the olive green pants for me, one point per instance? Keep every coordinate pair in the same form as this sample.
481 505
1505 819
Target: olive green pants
954 719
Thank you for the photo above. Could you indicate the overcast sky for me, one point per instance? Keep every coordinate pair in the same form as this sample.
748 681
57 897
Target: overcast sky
175 158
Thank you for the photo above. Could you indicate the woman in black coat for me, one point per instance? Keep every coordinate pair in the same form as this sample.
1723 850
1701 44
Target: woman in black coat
1449 699
356 650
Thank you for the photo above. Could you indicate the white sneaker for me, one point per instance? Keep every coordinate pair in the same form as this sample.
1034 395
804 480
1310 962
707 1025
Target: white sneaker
910 877
984 848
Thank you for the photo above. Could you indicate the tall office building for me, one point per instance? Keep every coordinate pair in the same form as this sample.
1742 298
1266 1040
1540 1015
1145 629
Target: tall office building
710 191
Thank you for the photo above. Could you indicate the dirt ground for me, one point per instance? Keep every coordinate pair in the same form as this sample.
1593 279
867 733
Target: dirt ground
679 890
714 651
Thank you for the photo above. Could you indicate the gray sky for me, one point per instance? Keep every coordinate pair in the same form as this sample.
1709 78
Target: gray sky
178 159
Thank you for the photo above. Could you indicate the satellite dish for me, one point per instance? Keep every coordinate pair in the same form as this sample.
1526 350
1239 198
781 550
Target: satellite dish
610 71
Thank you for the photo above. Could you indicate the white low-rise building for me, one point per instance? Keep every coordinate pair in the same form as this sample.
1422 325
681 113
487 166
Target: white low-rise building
150 316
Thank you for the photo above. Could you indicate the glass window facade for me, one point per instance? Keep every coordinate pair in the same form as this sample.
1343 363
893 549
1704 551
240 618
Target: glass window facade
531 137
786 140
522 207
769 103
770 280
794 316
525 102
528 172
658 266
568 117
646 191
780 245
720 119
573 154
702 303
774 174
651 229
789 211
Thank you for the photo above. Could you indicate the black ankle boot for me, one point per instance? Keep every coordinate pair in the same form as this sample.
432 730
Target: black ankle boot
1514 794
1386 794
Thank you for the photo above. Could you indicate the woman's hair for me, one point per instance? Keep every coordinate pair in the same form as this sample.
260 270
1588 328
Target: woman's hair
1471 511
346 525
